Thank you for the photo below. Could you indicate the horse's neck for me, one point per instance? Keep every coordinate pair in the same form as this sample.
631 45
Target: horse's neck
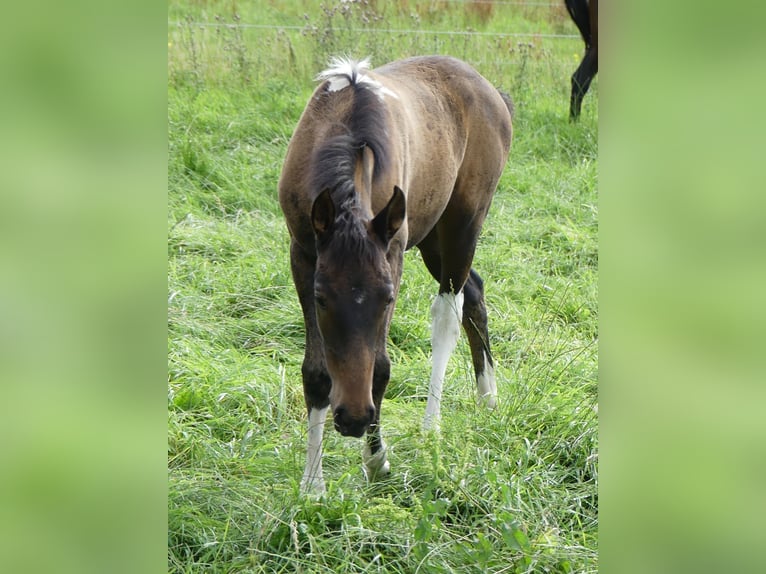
363 180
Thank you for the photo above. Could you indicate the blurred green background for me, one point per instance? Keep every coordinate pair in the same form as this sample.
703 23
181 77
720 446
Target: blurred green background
682 272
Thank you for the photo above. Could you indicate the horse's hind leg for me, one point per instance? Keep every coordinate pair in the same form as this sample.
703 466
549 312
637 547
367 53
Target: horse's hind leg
446 310
581 80
585 16
475 325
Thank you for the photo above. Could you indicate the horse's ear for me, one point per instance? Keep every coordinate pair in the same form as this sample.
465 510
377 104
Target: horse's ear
323 214
388 221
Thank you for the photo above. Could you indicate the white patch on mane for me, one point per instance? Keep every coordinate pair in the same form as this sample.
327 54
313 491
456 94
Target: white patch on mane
344 72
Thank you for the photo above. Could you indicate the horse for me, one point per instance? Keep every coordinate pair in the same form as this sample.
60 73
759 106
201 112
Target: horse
584 13
406 155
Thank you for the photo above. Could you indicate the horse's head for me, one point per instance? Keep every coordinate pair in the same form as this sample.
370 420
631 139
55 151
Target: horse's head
354 292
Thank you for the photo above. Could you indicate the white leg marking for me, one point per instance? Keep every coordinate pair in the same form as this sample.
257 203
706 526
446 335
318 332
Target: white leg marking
446 315
375 465
313 481
486 385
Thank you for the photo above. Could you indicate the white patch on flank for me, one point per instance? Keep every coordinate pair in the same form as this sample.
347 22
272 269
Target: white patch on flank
375 465
446 315
313 481
344 72
486 385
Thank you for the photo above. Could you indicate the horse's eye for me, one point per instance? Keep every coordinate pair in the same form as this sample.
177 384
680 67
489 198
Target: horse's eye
389 300
320 301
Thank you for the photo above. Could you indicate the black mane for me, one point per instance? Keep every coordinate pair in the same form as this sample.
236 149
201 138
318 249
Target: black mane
335 160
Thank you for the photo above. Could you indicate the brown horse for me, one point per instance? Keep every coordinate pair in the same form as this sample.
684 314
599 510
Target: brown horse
408 154
584 13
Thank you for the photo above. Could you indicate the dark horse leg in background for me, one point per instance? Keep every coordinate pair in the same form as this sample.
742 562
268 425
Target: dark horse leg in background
584 13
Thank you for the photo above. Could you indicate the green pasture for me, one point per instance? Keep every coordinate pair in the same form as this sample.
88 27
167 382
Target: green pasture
513 490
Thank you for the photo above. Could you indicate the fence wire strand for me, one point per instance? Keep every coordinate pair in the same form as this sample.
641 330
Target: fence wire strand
378 30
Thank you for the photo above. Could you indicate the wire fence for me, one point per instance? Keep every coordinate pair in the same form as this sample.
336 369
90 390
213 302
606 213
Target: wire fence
372 30
509 3
208 47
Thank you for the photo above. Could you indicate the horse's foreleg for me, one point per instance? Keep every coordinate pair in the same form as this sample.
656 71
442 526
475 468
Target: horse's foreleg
316 391
446 314
475 325
316 380
313 480
374 454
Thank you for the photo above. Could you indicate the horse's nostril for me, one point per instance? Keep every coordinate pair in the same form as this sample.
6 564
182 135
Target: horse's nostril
371 413
339 413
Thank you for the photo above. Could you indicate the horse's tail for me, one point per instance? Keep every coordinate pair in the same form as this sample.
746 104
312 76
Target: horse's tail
579 10
508 103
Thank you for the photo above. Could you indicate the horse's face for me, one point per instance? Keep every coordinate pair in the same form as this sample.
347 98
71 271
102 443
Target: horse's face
353 293
352 299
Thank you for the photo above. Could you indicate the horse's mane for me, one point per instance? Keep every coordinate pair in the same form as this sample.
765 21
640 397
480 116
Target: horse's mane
335 160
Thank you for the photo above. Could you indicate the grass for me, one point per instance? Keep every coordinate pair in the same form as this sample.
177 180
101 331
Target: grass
514 490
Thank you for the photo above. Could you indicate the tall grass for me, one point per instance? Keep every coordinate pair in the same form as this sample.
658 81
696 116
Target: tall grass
514 490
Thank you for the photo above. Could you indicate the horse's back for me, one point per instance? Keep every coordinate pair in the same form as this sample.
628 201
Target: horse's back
458 129
449 89
443 119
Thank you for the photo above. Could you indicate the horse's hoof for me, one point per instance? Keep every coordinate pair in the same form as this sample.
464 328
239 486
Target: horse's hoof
375 474
376 466
489 401
431 424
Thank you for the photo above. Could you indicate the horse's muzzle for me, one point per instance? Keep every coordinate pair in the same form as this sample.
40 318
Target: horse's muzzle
349 425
